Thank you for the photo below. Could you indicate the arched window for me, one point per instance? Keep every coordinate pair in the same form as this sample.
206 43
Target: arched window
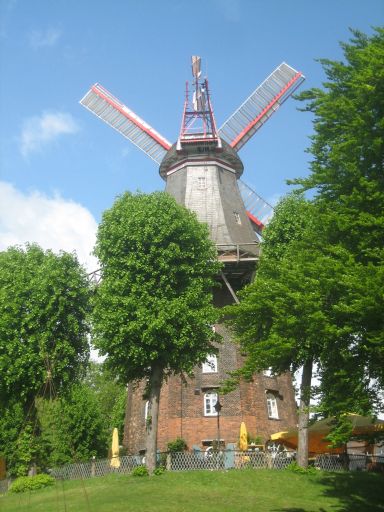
272 406
210 400
210 364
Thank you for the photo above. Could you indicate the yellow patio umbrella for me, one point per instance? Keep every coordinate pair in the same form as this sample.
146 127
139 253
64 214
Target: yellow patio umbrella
318 431
243 444
115 460
316 441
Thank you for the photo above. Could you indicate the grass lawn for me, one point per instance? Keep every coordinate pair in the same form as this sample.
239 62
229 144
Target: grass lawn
206 491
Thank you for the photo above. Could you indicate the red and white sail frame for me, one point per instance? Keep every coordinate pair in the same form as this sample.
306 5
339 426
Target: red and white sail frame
259 211
260 105
104 105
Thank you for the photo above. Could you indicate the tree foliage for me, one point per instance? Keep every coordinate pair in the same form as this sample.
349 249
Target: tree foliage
110 394
44 303
293 216
72 427
75 425
153 309
280 313
348 178
295 313
154 300
348 146
319 292
15 438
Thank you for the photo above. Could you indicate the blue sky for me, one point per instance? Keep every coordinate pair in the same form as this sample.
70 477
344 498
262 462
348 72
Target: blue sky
60 167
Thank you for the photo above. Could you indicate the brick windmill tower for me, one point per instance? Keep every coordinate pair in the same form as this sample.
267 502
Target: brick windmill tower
202 171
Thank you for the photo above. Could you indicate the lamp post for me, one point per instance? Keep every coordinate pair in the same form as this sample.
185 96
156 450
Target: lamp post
218 408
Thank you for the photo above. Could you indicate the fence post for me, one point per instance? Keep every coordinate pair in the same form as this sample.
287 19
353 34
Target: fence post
229 456
169 462
2 468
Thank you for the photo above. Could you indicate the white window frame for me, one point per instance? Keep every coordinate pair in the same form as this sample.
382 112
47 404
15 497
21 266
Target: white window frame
146 409
237 218
210 400
273 411
210 364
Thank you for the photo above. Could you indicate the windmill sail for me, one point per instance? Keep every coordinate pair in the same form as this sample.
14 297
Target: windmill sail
108 108
260 105
258 210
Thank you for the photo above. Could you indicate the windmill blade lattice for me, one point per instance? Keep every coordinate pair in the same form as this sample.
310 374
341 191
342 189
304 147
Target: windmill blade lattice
260 105
258 210
104 105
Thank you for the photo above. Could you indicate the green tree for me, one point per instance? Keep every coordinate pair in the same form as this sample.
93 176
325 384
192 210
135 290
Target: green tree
76 425
72 427
111 396
290 316
12 426
153 309
348 146
44 303
347 176
319 293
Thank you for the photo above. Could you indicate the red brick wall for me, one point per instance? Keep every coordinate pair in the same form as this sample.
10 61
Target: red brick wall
182 408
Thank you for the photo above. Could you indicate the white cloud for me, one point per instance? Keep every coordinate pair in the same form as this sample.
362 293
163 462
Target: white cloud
52 222
40 39
37 132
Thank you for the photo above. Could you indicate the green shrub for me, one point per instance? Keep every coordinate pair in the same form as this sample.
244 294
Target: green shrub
295 468
140 471
31 483
26 449
178 445
159 471
254 439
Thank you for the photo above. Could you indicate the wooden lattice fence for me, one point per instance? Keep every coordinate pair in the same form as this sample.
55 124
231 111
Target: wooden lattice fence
96 467
222 460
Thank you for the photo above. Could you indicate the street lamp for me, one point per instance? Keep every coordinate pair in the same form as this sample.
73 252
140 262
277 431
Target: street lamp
218 408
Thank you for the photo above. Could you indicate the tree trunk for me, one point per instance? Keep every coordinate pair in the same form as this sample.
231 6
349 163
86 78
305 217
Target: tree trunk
305 397
155 382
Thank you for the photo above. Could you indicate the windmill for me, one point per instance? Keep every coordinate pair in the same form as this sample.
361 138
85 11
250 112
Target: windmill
202 171
236 131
